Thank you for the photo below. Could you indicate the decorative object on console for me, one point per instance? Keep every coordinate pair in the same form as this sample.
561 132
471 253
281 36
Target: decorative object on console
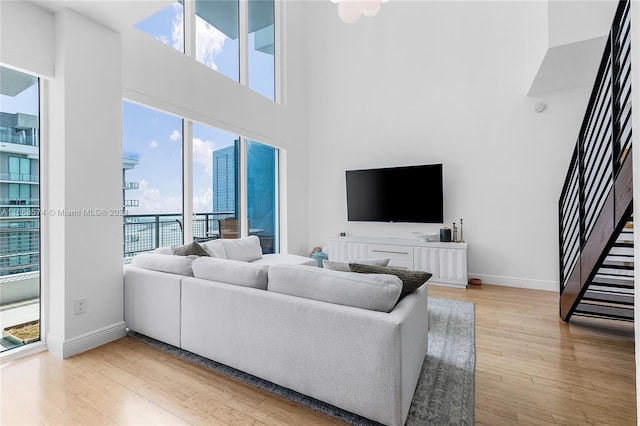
318 255
455 233
445 235
461 238
425 236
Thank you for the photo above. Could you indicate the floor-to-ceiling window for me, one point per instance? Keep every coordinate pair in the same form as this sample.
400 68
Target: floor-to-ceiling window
262 194
215 169
151 179
236 38
19 208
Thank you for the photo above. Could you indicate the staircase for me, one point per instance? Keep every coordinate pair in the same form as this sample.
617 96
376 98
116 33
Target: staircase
596 204
610 294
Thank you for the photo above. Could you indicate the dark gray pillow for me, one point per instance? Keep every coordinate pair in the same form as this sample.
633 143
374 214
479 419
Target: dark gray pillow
411 280
189 249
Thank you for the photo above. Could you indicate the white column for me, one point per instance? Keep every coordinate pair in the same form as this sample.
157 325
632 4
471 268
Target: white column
84 174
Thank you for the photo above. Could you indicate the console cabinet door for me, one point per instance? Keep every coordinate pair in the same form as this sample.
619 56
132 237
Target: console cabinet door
338 251
453 266
427 259
357 251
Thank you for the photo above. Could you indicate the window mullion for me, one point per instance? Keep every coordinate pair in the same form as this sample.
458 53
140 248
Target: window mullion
187 180
190 28
243 205
243 40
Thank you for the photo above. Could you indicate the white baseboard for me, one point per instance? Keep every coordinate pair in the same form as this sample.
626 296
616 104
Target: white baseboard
518 282
86 341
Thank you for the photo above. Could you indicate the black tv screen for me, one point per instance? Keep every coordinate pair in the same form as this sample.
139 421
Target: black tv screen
395 194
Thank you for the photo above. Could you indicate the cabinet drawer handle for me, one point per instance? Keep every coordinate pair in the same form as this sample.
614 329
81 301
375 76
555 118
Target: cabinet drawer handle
389 251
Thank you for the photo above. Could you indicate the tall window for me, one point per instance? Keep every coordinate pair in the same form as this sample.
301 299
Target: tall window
215 179
262 194
262 47
19 208
167 25
247 58
151 179
216 36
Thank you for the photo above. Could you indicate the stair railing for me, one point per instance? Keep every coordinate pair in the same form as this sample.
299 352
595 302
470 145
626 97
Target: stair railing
603 145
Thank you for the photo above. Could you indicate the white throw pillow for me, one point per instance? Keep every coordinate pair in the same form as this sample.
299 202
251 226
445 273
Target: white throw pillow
376 292
344 266
215 248
171 263
163 250
244 249
231 272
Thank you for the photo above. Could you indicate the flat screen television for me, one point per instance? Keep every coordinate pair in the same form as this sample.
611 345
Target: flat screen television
396 194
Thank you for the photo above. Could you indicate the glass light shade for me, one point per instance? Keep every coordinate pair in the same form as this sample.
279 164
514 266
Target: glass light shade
371 12
349 11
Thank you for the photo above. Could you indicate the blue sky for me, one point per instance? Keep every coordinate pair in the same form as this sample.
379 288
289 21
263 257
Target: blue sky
154 138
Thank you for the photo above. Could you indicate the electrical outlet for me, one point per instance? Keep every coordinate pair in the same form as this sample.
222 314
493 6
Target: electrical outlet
81 306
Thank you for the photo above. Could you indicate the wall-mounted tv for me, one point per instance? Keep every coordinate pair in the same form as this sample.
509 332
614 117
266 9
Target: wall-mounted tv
396 194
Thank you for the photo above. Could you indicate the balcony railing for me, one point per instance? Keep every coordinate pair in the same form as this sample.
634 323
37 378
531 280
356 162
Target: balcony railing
131 203
19 177
19 139
128 184
143 233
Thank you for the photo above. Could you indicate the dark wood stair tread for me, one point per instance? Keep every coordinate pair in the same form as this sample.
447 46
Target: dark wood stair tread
612 312
599 296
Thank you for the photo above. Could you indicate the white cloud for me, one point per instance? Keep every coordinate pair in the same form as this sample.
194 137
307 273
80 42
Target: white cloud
203 154
203 202
175 136
209 43
153 144
177 32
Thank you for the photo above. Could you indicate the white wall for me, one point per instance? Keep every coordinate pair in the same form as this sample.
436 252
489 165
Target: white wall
441 82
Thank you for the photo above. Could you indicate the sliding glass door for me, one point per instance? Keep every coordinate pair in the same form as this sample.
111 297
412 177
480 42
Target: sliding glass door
19 208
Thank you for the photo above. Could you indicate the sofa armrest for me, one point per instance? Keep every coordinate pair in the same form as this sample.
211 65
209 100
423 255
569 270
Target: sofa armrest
152 303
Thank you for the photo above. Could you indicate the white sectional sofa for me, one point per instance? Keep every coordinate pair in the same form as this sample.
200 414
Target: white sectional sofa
335 336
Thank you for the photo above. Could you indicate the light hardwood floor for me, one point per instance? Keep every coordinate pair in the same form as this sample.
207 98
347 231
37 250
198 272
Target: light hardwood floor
531 368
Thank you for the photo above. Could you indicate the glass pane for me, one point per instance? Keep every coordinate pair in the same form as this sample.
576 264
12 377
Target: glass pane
215 183
262 184
217 36
151 179
167 25
262 47
19 224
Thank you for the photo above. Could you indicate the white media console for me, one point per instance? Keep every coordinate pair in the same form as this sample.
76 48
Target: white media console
446 261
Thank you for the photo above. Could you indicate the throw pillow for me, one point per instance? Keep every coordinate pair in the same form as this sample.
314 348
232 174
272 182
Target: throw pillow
189 249
411 280
344 266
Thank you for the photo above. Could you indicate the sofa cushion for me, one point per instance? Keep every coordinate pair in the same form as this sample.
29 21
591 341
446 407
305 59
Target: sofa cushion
245 249
411 279
231 272
344 266
163 250
193 248
215 248
283 258
171 263
373 292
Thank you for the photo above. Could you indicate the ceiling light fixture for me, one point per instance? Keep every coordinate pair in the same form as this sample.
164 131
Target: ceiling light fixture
351 10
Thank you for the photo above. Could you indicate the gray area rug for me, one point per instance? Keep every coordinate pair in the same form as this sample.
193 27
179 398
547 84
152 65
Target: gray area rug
445 394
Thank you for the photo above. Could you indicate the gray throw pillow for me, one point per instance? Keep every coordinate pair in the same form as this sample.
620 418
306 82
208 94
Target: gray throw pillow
189 249
411 280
